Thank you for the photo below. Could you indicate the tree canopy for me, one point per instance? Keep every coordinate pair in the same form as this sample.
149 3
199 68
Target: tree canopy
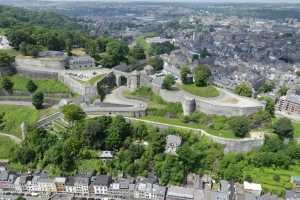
73 112
201 75
5 59
243 90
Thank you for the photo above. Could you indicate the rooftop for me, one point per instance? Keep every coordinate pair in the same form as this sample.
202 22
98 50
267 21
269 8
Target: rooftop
252 186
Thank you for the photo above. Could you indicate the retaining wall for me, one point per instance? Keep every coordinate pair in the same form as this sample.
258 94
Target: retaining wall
58 63
82 89
231 145
215 109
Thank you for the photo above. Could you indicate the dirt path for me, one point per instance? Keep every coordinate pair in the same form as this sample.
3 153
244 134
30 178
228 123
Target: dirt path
14 138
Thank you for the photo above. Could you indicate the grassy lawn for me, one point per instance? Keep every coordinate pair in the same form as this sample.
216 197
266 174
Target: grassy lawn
48 86
296 126
178 122
209 91
265 176
6 145
15 115
95 79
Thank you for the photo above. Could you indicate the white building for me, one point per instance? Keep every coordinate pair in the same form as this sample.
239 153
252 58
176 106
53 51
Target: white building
100 184
253 188
77 185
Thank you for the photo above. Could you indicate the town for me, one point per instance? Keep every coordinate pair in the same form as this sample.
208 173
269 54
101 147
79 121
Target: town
160 101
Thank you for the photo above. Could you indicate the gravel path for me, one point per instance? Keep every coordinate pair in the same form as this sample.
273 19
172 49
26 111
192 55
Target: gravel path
14 138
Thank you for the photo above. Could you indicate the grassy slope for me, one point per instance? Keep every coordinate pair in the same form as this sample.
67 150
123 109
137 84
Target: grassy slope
155 101
296 126
6 146
48 86
15 115
209 91
265 177
178 122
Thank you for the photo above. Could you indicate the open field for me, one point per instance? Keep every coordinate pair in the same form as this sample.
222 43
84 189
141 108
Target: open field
15 115
48 86
265 176
209 91
6 145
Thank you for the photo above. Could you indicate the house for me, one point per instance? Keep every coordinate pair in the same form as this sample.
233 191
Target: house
32 184
147 190
106 155
183 193
296 182
46 184
60 183
100 184
6 179
172 143
252 188
77 62
123 189
77 185
292 195
20 183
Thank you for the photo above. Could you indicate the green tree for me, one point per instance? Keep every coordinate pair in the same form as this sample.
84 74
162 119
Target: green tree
113 141
7 84
298 73
204 53
270 106
108 61
38 100
5 59
2 121
267 86
184 72
25 155
94 133
284 128
201 75
101 92
138 52
31 86
168 82
240 126
20 198
156 62
243 90
282 90
118 50
73 112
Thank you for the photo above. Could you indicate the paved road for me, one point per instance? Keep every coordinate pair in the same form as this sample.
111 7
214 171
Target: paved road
117 97
14 138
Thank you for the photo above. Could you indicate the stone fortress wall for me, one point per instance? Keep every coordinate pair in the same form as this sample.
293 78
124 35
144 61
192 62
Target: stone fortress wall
58 63
231 145
211 106
82 89
215 109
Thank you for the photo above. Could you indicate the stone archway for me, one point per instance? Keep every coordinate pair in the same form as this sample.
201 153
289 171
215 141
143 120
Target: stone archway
121 80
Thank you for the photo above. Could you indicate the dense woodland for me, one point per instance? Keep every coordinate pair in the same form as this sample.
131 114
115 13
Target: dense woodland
139 151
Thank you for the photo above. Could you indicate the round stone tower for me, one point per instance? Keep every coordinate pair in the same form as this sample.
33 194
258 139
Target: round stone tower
188 105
